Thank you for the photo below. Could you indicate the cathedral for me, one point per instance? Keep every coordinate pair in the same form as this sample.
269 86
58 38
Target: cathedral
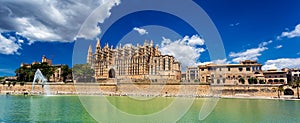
133 62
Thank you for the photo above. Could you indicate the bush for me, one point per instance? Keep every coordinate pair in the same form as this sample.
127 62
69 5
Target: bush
14 83
22 83
242 80
261 81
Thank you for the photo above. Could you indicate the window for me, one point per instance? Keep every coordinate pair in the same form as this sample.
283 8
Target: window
247 68
229 69
220 69
202 69
240 69
295 74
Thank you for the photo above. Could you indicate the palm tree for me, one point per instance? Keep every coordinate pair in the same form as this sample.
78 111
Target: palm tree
280 89
296 83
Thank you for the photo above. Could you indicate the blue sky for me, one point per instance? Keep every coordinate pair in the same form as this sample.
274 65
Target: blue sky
265 30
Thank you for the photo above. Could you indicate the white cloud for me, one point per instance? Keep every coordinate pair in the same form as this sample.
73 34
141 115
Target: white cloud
293 33
140 30
278 47
265 43
282 63
9 46
52 20
220 61
234 24
90 29
249 54
186 50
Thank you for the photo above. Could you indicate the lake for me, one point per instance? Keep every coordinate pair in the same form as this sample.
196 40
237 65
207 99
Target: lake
130 109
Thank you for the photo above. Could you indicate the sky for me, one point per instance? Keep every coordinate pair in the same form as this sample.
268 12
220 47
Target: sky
267 31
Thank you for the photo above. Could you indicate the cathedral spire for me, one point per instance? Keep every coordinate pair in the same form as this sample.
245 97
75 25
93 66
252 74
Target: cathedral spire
90 55
98 43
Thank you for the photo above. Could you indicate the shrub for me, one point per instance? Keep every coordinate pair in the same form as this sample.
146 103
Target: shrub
14 83
261 81
22 83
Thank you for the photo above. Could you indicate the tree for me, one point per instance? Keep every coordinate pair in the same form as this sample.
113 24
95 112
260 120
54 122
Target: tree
279 90
296 83
242 80
250 81
66 72
83 72
14 83
254 80
261 81
27 73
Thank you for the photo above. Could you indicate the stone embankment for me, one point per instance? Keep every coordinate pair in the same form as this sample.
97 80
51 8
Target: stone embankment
146 90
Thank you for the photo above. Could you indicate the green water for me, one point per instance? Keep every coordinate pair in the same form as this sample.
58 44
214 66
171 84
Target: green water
70 109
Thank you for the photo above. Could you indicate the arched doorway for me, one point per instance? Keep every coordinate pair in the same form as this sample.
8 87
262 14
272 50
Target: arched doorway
288 91
111 73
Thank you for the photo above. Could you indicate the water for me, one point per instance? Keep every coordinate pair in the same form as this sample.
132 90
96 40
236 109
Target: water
69 109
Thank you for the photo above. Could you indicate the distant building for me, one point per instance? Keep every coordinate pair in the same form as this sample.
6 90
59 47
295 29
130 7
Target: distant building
45 60
192 73
275 77
134 62
230 74
293 75
56 76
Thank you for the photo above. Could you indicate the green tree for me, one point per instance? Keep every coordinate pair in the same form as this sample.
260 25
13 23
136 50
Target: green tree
14 83
255 80
66 72
83 72
261 81
279 90
250 80
27 73
242 80
296 83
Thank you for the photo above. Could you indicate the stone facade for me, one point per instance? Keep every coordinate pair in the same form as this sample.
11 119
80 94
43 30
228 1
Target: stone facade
230 74
132 62
293 75
275 77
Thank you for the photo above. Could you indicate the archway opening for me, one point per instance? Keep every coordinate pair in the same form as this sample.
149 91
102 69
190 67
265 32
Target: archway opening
111 73
288 91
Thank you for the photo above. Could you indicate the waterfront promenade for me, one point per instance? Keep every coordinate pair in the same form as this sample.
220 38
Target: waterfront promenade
172 90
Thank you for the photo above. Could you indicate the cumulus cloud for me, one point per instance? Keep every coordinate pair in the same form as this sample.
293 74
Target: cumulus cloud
249 54
293 33
186 50
282 63
140 30
9 46
278 46
52 20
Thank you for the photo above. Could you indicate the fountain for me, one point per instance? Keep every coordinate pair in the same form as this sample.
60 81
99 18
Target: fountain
39 77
